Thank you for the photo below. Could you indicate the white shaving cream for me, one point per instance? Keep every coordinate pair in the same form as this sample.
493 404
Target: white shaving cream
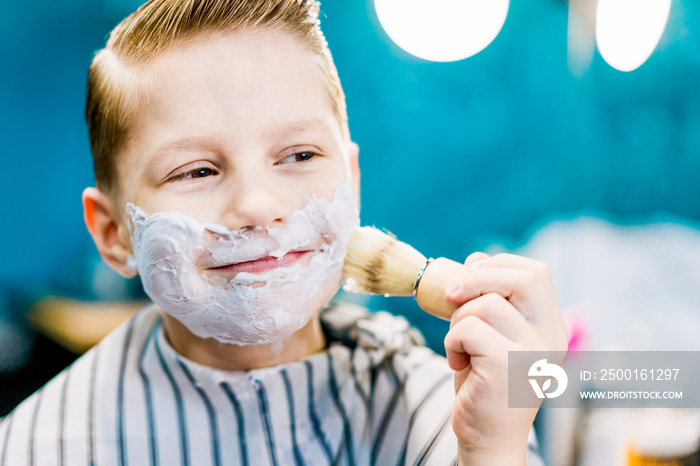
249 308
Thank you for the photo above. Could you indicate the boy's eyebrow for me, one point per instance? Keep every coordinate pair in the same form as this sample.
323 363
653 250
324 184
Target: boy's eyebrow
208 144
189 143
286 129
298 126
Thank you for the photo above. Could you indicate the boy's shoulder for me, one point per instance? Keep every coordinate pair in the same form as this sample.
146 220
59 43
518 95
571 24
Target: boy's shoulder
71 396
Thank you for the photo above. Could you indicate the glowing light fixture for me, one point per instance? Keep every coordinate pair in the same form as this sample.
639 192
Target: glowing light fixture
627 31
442 30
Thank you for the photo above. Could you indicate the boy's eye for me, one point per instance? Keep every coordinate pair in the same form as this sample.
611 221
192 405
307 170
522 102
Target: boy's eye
298 157
200 172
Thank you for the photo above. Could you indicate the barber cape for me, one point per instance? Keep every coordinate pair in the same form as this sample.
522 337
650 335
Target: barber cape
376 396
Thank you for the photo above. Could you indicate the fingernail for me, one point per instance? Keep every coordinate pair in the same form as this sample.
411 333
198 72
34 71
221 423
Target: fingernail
479 265
453 287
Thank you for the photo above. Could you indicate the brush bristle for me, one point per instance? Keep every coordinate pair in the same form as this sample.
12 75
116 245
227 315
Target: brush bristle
377 263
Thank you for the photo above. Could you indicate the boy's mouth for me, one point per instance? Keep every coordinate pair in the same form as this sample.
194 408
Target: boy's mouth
260 265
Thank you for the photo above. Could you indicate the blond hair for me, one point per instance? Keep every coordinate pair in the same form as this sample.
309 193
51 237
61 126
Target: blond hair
117 82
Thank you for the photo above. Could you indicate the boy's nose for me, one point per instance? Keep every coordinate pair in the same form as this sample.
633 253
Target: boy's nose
256 203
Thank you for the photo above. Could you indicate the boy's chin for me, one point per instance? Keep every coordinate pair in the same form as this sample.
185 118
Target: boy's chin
270 318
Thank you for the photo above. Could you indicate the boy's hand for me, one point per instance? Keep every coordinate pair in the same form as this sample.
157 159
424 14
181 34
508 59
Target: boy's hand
507 303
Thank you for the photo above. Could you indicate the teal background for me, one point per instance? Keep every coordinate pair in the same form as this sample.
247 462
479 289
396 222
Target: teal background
455 157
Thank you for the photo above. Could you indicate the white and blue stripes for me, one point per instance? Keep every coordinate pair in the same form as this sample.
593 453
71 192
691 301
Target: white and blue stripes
132 400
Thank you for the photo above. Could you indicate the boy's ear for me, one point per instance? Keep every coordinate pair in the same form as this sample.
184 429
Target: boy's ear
354 159
107 230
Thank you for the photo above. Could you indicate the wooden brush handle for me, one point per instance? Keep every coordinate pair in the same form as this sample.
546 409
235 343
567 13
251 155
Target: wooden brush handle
430 294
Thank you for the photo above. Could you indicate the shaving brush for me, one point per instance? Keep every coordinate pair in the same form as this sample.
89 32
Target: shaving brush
377 263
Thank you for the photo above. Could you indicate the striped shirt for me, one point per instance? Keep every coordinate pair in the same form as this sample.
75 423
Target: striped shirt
374 397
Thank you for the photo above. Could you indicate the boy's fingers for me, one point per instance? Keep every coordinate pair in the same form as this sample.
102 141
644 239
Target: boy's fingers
476 257
522 287
461 375
540 269
496 311
474 337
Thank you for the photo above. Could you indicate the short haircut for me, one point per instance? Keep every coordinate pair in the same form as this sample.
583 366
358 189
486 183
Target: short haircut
118 84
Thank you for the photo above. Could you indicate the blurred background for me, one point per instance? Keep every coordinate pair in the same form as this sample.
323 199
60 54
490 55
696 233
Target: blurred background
568 131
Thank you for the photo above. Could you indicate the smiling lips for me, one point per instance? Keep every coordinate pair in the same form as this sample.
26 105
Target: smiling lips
262 264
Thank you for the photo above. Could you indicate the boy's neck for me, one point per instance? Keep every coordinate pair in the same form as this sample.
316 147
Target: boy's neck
210 352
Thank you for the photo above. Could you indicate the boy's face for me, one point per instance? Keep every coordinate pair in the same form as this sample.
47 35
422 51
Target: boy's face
237 130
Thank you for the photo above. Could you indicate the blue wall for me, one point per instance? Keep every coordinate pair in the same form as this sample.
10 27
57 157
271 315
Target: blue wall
459 156
45 53
454 156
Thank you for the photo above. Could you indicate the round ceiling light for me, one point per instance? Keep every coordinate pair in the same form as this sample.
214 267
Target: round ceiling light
442 30
628 31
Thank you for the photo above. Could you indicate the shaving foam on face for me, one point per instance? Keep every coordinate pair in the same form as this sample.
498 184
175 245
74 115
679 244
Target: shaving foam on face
172 250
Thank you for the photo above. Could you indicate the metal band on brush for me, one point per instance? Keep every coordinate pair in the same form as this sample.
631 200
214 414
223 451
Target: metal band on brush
420 275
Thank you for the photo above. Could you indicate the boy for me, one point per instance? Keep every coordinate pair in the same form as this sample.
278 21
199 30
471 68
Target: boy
227 180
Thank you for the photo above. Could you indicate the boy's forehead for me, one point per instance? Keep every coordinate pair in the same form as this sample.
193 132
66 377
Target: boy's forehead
250 68
243 50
